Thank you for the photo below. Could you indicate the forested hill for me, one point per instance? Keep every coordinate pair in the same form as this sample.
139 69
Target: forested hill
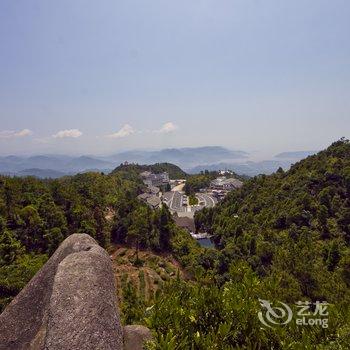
202 180
314 193
37 215
174 171
295 222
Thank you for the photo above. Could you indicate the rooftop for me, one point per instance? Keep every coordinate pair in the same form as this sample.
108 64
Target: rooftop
144 196
185 222
153 201
221 181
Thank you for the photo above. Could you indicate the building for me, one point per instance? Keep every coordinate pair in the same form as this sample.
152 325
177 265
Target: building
145 174
225 172
153 190
151 200
154 202
219 194
225 184
156 180
143 197
186 223
160 179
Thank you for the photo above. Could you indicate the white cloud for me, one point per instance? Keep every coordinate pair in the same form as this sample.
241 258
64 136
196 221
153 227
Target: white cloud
24 132
73 133
8 134
167 128
126 130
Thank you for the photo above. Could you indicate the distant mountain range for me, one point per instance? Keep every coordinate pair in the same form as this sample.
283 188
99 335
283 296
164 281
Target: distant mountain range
193 160
183 157
247 168
295 155
51 165
41 173
250 168
59 165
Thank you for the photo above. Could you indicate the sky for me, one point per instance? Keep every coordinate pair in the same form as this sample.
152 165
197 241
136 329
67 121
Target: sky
98 77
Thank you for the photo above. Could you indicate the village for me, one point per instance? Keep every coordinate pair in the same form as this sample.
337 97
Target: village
160 190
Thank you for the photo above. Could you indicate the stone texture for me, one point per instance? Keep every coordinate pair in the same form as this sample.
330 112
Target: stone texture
135 337
69 304
81 318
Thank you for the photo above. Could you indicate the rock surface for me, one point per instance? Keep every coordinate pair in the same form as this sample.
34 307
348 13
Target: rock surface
135 337
69 304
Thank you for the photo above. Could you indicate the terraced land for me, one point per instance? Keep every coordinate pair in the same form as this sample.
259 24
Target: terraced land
144 279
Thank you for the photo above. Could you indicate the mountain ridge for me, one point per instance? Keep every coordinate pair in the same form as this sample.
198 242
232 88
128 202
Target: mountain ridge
190 159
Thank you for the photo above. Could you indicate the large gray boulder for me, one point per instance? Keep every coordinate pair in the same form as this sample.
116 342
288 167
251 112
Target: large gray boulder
69 304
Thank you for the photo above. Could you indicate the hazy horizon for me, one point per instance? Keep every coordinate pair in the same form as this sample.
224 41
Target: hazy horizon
99 78
253 155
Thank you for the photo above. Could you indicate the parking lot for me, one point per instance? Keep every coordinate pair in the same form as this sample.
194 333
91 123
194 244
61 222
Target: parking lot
177 201
174 200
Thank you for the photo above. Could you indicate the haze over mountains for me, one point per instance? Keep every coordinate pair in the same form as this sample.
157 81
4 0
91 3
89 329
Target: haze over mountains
295 155
192 160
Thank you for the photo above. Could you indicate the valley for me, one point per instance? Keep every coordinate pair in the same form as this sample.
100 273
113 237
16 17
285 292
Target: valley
279 237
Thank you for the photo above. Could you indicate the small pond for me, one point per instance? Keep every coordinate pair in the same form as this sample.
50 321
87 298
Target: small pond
206 243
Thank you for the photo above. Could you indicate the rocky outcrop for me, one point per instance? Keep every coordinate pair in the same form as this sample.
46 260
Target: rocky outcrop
69 304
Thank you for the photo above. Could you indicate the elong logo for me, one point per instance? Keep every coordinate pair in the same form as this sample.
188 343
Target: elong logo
309 314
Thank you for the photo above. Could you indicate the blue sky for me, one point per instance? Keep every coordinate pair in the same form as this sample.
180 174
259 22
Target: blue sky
81 76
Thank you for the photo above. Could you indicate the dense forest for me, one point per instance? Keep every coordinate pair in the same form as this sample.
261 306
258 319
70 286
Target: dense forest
306 210
283 237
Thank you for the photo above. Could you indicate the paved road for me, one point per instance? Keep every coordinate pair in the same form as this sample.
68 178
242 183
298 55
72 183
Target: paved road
208 200
179 188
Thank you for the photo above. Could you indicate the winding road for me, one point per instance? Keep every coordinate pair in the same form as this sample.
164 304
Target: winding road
208 200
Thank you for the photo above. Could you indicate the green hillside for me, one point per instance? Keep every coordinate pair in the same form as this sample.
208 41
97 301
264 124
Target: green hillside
311 200
37 215
281 238
174 171
305 211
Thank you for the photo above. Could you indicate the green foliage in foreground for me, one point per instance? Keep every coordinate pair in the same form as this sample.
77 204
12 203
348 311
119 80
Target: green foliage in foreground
202 316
